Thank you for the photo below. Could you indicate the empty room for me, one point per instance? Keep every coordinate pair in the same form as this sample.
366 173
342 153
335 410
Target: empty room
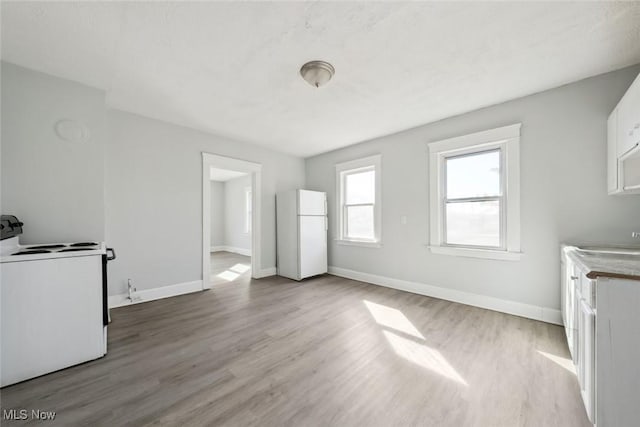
318 213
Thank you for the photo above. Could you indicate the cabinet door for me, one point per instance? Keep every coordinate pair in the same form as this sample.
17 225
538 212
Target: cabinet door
563 289
612 153
586 357
572 297
575 319
566 292
628 129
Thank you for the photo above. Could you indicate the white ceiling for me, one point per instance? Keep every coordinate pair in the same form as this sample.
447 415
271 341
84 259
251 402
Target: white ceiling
231 68
223 175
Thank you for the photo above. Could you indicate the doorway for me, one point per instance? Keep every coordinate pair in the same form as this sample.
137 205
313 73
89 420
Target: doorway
231 212
230 219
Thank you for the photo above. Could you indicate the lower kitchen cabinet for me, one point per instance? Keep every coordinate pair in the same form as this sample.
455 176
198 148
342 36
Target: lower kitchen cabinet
617 352
602 323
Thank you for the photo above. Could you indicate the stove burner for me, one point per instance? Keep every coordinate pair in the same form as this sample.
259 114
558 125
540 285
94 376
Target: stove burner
74 249
45 247
40 251
83 244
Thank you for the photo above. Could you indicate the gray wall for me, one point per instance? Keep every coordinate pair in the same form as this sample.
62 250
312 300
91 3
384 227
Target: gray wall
54 186
235 236
137 184
227 213
217 213
564 194
149 174
154 198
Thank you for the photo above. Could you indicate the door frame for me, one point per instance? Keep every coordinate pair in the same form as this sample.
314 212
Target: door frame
255 170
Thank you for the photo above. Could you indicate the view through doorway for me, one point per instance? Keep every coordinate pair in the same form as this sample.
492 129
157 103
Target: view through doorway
231 225
232 196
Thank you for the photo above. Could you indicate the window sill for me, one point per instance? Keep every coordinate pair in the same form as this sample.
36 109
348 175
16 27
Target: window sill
476 253
362 243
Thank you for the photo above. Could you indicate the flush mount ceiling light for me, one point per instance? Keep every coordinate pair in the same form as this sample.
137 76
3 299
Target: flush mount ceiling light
317 73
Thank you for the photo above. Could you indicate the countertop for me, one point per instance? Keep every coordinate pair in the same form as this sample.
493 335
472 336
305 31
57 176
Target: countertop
607 262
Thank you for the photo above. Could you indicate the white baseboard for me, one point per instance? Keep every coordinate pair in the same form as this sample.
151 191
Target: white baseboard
543 314
266 272
233 249
146 295
241 251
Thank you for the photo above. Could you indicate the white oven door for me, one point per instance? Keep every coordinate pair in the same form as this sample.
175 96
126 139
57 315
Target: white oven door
51 315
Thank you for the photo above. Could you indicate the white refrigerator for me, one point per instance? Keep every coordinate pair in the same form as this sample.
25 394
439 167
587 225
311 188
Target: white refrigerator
302 233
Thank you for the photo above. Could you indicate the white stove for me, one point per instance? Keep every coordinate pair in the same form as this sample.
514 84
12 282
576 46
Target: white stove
53 300
12 251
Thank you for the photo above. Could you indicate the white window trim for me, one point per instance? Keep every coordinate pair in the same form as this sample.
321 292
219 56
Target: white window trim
506 138
374 162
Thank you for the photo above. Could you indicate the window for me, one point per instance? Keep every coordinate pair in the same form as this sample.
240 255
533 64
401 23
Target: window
247 210
358 190
473 199
475 194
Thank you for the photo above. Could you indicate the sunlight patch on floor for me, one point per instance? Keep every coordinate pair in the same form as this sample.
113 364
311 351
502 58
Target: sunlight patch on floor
240 268
232 273
392 318
412 349
423 355
228 275
560 361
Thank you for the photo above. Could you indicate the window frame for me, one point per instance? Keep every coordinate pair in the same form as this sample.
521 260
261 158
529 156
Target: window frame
505 139
342 171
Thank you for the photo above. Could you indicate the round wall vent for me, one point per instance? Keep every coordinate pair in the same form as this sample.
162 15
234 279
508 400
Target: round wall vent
72 131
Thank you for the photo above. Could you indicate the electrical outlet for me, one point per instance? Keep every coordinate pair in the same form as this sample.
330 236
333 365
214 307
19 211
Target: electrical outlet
403 220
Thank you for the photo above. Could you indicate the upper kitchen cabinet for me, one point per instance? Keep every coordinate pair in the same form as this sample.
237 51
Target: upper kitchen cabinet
629 119
623 133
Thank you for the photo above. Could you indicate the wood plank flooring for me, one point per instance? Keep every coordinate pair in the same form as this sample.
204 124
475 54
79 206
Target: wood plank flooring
323 352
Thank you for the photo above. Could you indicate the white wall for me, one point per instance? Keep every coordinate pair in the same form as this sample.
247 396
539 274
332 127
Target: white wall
154 198
234 190
217 213
55 187
564 194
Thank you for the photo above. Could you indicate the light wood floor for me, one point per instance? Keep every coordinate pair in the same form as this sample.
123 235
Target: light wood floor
228 266
326 351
